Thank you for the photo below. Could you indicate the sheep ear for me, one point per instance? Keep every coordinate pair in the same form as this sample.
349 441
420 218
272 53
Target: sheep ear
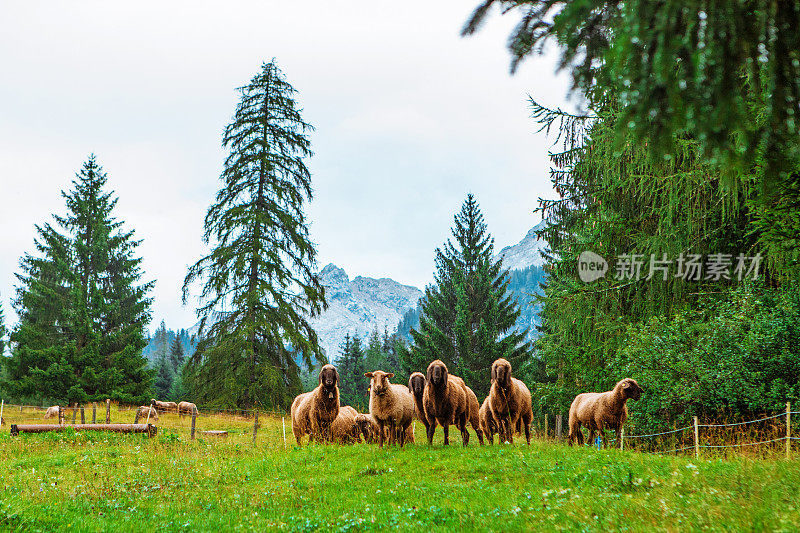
336 373
320 377
494 373
428 374
390 375
368 374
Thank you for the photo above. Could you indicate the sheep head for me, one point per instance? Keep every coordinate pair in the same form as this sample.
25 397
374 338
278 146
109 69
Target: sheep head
501 373
329 379
630 389
437 373
379 381
416 384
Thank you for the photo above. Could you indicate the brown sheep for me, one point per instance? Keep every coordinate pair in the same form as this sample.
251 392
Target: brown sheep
602 410
368 426
142 410
186 408
52 412
344 428
416 386
509 402
391 405
445 401
324 404
487 421
300 422
474 409
164 407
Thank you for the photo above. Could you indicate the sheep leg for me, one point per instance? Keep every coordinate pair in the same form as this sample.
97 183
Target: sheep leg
479 432
402 436
527 425
430 429
619 437
591 436
380 433
446 429
604 437
462 425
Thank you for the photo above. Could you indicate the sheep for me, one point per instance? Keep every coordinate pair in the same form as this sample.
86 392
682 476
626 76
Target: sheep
323 405
474 409
164 407
142 410
390 405
416 386
344 428
487 421
187 408
509 402
299 413
368 426
52 412
602 410
445 401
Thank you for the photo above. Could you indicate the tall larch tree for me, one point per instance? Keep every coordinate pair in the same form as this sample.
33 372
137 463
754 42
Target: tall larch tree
259 285
81 304
467 315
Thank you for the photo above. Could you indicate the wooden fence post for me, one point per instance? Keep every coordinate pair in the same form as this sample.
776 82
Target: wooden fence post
94 412
60 415
545 426
788 428
2 404
283 422
622 438
83 416
74 412
255 428
136 418
108 410
558 427
696 439
194 415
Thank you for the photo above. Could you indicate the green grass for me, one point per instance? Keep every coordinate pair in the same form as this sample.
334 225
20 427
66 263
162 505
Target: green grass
114 482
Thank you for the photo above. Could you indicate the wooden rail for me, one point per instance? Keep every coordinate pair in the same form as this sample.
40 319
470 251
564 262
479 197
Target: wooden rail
150 429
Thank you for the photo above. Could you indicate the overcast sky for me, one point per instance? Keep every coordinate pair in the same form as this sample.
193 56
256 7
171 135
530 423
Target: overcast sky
409 118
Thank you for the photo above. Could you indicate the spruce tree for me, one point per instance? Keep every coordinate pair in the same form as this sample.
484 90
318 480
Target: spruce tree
350 366
176 354
81 304
467 314
164 377
259 285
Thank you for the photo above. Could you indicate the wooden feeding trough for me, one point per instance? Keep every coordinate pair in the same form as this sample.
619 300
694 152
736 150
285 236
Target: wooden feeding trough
150 429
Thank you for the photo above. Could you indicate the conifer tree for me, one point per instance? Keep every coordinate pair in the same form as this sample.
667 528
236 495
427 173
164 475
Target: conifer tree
164 377
467 315
81 304
350 366
176 354
259 284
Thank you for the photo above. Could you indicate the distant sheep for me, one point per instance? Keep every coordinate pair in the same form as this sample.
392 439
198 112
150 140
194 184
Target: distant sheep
391 405
164 407
141 412
324 404
416 386
602 410
52 412
187 408
509 402
445 401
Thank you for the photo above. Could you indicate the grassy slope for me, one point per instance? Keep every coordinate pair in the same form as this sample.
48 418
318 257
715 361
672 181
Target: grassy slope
129 483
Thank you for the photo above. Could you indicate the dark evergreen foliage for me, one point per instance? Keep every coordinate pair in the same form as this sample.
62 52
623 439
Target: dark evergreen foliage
467 315
258 283
81 304
351 368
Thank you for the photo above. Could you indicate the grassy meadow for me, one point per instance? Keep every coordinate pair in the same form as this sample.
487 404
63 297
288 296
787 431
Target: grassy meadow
115 482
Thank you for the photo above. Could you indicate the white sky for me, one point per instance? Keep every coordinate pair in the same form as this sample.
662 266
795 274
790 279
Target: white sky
409 118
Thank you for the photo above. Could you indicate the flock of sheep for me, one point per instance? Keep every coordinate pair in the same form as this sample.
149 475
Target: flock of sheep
444 399
146 412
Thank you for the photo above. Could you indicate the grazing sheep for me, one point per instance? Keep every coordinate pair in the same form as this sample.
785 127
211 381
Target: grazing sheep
324 404
300 421
474 409
416 386
487 421
368 426
390 405
445 401
344 428
509 402
52 412
164 407
602 410
187 408
142 410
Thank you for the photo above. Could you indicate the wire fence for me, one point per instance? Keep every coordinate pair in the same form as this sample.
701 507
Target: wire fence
272 427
